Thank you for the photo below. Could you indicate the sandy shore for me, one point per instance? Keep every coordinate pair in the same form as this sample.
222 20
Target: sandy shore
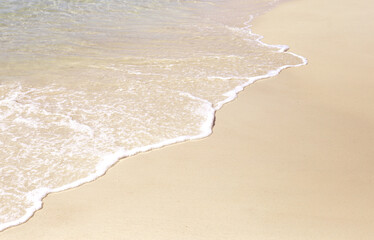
291 158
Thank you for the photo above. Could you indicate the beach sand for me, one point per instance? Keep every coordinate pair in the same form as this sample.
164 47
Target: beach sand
291 158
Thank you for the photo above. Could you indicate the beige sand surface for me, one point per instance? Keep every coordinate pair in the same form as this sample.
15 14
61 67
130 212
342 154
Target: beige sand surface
291 158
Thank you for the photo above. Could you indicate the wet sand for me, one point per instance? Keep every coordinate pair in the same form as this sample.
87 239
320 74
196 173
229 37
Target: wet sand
291 158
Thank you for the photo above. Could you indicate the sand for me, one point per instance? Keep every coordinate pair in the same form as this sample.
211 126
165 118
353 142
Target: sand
291 158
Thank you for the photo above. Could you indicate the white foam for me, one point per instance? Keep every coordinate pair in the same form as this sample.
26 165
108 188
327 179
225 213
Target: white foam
109 160
231 95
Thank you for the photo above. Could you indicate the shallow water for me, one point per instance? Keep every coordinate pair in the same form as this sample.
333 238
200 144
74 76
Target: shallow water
86 82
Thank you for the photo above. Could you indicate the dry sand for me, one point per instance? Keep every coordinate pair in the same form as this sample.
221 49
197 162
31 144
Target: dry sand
291 158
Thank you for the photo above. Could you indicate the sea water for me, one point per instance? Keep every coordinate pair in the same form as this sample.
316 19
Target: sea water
84 83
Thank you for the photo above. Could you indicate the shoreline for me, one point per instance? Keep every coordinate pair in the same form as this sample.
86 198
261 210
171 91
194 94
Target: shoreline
241 189
109 161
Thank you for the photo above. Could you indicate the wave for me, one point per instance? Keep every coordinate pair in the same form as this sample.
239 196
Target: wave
73 111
